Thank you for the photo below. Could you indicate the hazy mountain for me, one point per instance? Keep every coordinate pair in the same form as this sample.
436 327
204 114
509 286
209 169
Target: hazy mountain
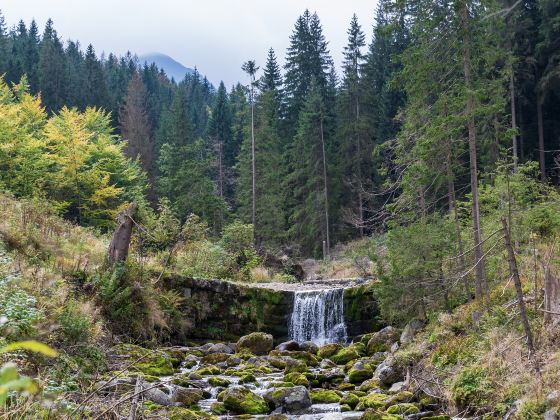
172 67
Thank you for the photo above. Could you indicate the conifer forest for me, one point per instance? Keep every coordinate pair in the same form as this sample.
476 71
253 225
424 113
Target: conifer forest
371 238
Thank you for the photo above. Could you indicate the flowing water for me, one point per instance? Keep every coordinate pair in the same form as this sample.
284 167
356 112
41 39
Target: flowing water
318 316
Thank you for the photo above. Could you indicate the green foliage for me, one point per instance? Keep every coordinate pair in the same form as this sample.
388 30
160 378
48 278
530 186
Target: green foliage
18 311
76 326
472 387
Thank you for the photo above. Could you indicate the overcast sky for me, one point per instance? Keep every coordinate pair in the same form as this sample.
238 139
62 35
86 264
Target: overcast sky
214 35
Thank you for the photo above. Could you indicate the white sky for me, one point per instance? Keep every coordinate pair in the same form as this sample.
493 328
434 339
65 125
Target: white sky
217 36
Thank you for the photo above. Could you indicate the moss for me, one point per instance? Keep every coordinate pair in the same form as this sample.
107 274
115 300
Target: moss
296 378
214 358
308 358
357 376
248 378
379 415
216 381
324 396
345 355
531 409
177 413
328 350
264 369
403 408
208 370
151 362
344 408
370 385
401 397
218 408
345 386
280 385
372 400
351 400
240 400
295 366
472 387
439 417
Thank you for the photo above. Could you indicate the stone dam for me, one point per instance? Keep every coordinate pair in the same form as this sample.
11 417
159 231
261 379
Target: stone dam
320 311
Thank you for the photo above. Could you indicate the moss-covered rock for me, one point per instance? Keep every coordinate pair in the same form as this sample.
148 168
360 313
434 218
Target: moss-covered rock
372 400
178 413
370 385
345 355
289 399
257 343
308 358
403 408
208 370
280 385
218 408
324 396
345 386
351 400
150 362
241 400
360 372
382 340
217 381
215 358
248 378
186 397
296 378
293 365
344 408
373 414
328 350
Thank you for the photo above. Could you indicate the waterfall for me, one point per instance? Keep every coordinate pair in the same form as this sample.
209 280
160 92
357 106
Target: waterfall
318 316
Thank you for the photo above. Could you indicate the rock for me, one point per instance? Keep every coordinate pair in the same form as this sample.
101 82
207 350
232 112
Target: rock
351 400
215 358
309 346
190 361
241 400
180 413
397 387
372 400
387 373
288 345
421 415
248 378
324 396
327 364
403 409
207 370
216 381
551 415
257 343
359 372
291 400
218 408
410 330
328 350
157 396
277 362
552 398
151 362
370 385
296 378
394 347
382 340
345 355
186 397
220 348
293 365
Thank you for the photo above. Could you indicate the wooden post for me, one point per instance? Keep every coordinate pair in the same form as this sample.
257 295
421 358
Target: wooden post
514 272
120 242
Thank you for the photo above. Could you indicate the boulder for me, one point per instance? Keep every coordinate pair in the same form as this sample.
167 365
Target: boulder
215 358
151 362
345 355
328 350
327 364
241 400
220 348
551 415
359 372
290 400
387 373
382 340
324 396
288 346
257 343
397 387
186 397
309 346
294 365
157 396
411 329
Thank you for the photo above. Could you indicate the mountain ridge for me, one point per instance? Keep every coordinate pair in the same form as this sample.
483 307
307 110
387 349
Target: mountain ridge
172 67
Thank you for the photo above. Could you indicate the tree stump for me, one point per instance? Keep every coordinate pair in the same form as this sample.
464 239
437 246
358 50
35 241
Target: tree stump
120 241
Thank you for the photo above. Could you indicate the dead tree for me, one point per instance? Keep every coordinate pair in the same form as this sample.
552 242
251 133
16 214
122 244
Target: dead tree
514 272
551 297
120 242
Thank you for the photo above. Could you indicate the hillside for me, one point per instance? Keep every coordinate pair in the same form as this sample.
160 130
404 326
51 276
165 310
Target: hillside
171 67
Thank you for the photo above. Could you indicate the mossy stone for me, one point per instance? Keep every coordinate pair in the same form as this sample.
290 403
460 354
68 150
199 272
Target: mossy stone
293 365
344 408
403 408
359 373
241 400
345 355
248 378
296 378
217 381
218 408
178 413
324 396
280 385
370 385
350 400
152 362
379 415
208 370
373 400
214 358
328 350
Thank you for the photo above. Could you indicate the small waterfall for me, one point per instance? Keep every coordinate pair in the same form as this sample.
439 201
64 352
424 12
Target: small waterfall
318 316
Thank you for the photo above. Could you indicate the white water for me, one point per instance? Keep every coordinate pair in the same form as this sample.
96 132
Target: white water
318 316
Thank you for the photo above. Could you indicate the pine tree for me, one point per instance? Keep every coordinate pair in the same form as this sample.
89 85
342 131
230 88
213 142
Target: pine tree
52 70
96 93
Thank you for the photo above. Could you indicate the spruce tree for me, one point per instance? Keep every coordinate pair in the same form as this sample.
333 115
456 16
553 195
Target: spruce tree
52 70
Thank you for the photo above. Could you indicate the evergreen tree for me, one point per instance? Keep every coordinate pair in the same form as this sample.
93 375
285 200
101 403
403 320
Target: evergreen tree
96 93
52 70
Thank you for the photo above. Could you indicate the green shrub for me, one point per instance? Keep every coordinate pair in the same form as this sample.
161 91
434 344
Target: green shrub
76 326
472 387
18 311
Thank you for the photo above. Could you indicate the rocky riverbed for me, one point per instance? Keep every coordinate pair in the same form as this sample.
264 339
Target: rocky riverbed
253 379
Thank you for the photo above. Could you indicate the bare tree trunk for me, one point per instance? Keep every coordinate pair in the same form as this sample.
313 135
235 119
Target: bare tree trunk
359 171
551 296
513 116
515 275
120 241
521 139
541 139
481 288
452 200
253 166
325 190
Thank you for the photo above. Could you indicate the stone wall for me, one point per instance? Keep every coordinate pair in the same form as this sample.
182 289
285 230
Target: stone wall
224 310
